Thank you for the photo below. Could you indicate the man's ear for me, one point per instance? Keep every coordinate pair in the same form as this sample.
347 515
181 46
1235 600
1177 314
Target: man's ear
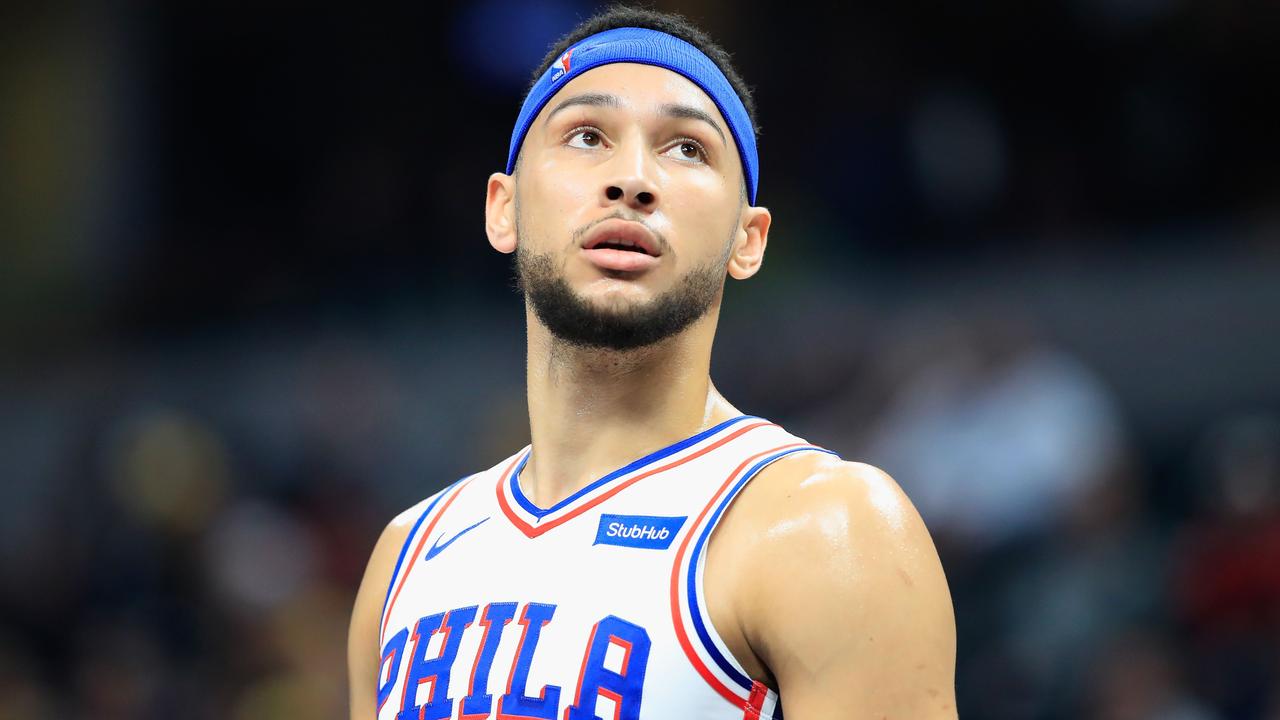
749 242
500 212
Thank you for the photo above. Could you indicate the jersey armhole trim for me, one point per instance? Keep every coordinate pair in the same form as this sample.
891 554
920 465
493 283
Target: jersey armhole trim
388 601
698 638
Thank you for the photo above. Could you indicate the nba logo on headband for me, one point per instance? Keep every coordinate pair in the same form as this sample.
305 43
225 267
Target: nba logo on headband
646 47
562 65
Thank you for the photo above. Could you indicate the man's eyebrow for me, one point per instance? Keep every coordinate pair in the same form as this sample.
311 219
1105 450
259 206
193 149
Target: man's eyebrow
592 98
692 113
674 110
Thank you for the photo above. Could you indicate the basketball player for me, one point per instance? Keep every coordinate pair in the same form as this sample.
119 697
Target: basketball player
654 553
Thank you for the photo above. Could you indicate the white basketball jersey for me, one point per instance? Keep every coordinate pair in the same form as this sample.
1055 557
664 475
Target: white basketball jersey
592 608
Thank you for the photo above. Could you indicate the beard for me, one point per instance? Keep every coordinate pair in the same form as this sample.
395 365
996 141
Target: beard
621 325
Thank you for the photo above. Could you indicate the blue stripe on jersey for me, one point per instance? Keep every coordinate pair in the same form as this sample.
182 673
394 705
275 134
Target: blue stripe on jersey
405 549
646 460
698 624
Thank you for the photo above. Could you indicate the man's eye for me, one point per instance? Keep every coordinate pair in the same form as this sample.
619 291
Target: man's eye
688 151
584 139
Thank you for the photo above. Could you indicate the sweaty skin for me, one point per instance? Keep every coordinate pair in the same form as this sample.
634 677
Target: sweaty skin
821 577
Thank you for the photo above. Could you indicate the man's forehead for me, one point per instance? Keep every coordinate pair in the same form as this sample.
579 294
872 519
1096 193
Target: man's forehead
637 86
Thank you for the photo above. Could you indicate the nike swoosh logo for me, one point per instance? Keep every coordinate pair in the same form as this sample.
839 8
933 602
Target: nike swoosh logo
437 548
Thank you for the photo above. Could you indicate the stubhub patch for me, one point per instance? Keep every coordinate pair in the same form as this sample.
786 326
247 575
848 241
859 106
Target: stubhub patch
639 531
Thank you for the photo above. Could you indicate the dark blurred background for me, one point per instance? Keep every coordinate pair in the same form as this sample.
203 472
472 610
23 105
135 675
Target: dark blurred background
1025 257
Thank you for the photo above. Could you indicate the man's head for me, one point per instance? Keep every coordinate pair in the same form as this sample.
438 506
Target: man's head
628 203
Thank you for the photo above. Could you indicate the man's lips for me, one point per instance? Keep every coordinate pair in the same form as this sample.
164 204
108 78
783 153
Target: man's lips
623 235
619 260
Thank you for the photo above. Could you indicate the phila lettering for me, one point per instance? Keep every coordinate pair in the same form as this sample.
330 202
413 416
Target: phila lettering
431 688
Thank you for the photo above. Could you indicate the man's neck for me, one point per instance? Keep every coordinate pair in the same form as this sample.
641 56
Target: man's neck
593 411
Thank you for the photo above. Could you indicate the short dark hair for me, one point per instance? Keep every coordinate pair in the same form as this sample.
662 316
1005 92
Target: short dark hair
618 16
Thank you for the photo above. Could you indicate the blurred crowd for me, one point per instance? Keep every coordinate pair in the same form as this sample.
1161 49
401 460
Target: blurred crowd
1026 258
186 534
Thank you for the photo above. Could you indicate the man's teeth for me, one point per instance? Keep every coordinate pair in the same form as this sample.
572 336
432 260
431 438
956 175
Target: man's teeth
619 244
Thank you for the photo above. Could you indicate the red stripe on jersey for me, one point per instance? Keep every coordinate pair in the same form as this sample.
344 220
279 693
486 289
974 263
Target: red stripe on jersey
755 702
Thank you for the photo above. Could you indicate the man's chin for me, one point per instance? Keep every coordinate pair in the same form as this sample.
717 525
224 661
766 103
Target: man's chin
609 315
615 305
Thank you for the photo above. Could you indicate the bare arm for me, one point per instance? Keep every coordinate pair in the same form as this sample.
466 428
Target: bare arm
363 652
855 619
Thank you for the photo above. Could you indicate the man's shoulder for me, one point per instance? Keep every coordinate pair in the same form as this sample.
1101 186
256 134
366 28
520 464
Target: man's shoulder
803 487
851 570
826 519
403 524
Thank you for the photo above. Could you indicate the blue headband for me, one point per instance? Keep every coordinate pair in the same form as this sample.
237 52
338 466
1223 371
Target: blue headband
647 47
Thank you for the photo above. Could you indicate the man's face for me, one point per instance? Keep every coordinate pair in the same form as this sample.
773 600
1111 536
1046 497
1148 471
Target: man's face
625 157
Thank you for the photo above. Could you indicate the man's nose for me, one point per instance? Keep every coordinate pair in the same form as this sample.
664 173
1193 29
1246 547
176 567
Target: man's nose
632 178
